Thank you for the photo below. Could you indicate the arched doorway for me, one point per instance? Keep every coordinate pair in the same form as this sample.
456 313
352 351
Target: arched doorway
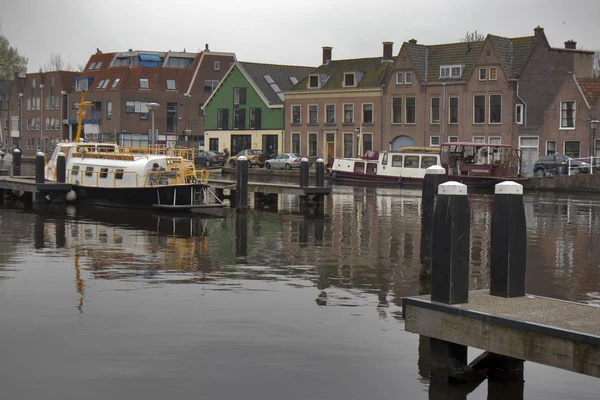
402 141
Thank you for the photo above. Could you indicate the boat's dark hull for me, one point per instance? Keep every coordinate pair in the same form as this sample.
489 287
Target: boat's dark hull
479 182
144 198
342 176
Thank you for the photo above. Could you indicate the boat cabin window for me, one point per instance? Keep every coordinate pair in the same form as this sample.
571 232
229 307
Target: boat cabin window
359 167
385 159
371 169
428 161
396 161
411 162
119 173
75 170
103 172
89 171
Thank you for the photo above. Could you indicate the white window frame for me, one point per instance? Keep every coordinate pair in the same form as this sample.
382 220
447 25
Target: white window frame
485 74
517 107
392 110
475 138
344 113
487 100
555 147
490 138
490 109
334 114
147 84
399 78
308 121
318 81
174 84
353 79
408 78
495 73
431 141
450 110
362 112
452 137
217 65
565 146
449 74
568 128
406 110
431 111
292 114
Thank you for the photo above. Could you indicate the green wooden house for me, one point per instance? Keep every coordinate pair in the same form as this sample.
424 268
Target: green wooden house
246 110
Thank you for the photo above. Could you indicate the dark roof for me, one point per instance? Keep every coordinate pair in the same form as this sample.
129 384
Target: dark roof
591 89
512 52
375 72
281 75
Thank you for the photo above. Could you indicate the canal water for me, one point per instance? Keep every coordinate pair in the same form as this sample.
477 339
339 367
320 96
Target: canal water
100 303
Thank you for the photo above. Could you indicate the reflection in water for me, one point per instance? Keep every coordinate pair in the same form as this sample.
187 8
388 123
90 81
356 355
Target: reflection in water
362 255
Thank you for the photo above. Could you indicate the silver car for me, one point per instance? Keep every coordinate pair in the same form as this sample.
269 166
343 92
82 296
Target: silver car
284 161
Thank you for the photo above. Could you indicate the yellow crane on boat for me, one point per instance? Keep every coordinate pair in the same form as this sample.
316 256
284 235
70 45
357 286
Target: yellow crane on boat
80 114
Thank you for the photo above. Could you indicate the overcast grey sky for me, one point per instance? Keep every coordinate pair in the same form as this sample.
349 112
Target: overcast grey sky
280 31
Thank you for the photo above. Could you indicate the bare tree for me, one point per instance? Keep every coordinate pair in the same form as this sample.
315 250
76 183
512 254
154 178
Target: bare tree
10 60
596 64
56 63
473 37
80 67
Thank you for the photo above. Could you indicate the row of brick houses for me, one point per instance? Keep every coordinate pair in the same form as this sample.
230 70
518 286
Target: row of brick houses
519 91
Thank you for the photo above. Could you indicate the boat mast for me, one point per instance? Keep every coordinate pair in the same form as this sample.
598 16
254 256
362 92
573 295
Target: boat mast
80 114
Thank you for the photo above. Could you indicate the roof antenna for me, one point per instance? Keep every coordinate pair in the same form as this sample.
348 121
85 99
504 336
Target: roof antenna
206 47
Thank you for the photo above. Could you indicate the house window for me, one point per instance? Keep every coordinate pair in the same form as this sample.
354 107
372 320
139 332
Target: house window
200 110
171 117
550 147
239 118
348 140
435 110
493 74
38 123
408 78
482 74
100 83
217 65
47 123
171 84
144 83
399 78
453 117
411 117
223 118
519 114
330 113
255 118
349 79
397 110
239 95
103 172
57 124
572 148
367 113
495 109
367 142
213 144
494 140
452 139
479 139
210 85
567 114
98 64
296 115
294 80
348 113
313 118
479 110
109 110
105 84
450 71
434 141
313 81
312 144
115 83
296 143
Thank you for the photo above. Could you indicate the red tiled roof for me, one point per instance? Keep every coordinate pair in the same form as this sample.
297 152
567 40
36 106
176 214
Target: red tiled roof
591 89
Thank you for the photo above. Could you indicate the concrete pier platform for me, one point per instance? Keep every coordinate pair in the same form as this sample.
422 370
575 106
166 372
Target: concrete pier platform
552 332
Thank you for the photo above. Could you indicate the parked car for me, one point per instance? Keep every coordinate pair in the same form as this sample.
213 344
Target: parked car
559 164
254 156
284 161
209 158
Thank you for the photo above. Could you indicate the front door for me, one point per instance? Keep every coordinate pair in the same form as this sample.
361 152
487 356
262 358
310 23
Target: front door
270 145
529 146
330 148
239 143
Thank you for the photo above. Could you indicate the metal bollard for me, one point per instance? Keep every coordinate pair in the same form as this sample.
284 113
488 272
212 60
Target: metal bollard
451 234
304 172
61 168
241 186
434 177
16 163
320 170
508 241
40 164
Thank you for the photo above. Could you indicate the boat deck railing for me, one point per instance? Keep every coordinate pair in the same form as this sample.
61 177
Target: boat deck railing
584 165
131 179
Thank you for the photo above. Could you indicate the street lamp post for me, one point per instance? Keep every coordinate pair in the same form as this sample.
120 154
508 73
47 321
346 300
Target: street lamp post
153 107
41 117
594 125
357 133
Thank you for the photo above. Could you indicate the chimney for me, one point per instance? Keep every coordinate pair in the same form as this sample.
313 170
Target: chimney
326 54
388 49
571 44
412 41
538 31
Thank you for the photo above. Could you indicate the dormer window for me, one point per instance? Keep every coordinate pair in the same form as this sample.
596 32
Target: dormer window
313 81
349 79
450 71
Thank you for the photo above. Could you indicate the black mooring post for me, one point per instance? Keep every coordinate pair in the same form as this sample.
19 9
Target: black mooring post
241 187
40 164
304 172
451 234
16 163
508 241
434 177
241 235
320 170
61 168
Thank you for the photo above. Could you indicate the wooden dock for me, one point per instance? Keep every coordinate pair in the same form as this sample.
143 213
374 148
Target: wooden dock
272 188
547 331
27 185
